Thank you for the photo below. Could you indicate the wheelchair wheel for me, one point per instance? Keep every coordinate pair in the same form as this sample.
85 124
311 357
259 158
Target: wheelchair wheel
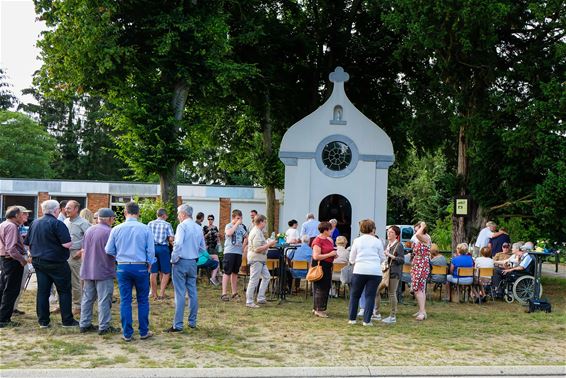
508 298
524 289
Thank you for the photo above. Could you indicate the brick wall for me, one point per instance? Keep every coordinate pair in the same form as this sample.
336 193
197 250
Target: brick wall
41 196
95 201
225 215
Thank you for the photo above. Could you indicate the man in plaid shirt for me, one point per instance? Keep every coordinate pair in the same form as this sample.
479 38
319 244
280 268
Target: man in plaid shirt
162 236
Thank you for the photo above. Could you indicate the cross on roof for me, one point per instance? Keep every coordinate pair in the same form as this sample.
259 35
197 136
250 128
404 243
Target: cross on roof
338 75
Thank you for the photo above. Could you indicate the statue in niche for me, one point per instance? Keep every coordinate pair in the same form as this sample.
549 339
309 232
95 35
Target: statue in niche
338 115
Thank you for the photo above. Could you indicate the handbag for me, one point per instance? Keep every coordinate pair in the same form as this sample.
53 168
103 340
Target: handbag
315 273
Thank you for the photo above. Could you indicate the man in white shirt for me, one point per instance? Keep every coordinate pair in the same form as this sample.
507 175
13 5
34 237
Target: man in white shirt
484 236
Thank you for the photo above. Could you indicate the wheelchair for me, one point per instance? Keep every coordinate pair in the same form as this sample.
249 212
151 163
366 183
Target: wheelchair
519 287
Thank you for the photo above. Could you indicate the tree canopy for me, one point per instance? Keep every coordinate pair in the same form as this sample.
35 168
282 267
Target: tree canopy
471 93
26 149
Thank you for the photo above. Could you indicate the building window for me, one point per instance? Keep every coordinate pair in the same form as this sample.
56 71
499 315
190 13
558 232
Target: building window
336 156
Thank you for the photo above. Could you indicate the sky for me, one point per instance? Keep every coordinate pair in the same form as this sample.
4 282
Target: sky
19 32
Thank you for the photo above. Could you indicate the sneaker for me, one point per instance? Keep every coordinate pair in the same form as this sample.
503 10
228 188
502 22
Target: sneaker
109 330
127 339
370 324
44 326
214 282
18 312
147 335
262 302
252 305
192 326
73 324
89 328
351 322
390 320
376 316
173 330
361 313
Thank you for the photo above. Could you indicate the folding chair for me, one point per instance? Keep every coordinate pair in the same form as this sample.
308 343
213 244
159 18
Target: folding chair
244 270
487 275
301 265
273 267
438 270
337 268
464 273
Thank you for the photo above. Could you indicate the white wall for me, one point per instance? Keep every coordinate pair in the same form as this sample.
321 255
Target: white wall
206 206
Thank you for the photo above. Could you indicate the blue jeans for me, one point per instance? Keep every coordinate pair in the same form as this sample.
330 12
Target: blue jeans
102 289
368 285
47 274
130 276
185 280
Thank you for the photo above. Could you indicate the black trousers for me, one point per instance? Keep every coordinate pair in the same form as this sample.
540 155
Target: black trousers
321 288
49 273
10 281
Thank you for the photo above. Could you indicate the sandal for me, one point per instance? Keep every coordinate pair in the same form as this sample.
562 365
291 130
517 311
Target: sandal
225 297
421 317
236 296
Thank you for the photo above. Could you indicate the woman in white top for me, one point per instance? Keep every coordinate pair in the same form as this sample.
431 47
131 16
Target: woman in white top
483 261
366 254
292 234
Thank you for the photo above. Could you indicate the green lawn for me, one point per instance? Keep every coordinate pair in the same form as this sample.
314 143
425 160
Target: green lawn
229 334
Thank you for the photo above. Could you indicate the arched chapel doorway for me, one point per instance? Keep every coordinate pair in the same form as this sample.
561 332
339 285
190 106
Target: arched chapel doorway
338 207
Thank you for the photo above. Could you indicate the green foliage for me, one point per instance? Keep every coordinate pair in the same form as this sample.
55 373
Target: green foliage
520 229
441 233
420 188
26 149
85 149
149 207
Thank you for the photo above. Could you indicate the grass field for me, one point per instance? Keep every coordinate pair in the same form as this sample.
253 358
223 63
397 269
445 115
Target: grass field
231 335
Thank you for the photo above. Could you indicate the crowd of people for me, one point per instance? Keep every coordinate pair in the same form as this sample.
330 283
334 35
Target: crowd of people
77 256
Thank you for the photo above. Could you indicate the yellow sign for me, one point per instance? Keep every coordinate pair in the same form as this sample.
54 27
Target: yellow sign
461 206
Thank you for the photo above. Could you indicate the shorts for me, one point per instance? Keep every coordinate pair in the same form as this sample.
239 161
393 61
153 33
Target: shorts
232 263
163 263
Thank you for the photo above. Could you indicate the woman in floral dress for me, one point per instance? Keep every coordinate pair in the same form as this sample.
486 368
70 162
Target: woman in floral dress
421 267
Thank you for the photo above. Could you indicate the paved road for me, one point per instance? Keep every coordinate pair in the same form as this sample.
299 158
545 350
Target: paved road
349 372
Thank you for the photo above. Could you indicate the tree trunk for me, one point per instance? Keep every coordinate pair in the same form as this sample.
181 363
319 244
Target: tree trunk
267 139
459 223
168 174
168 186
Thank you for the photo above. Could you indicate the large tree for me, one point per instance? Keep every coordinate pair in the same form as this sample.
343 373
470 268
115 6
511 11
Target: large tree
145 59
26 149
457 57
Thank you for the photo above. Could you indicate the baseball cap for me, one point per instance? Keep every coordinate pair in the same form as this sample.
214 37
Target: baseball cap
106 213
24 210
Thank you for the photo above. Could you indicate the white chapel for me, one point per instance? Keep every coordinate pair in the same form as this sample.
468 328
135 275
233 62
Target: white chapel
336 165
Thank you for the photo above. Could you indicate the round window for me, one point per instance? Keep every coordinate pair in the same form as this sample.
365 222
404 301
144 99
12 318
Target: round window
336 156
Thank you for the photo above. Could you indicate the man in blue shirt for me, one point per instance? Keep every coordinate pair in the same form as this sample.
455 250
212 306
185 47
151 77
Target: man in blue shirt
310 228
132 244
49 241
188 240
162 236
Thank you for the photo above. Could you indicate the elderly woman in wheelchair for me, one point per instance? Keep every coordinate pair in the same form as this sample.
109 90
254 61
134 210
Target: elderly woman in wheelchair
515 277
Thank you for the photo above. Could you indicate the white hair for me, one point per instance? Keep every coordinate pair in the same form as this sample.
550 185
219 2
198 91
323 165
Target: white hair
310 216
517 246
49 206
184 208
333 221
305 239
